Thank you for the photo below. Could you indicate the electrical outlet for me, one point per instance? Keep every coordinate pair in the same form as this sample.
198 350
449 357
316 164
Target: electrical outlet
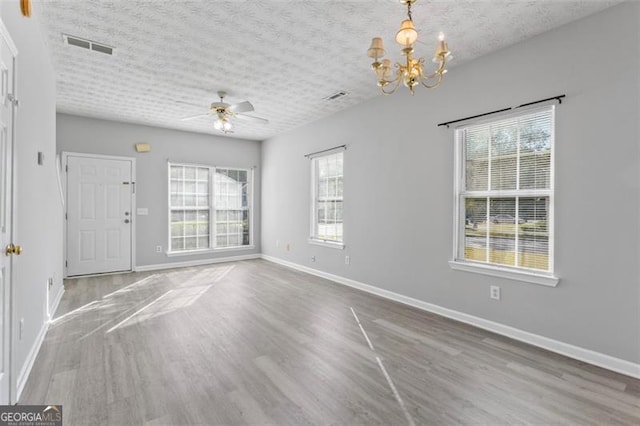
494 292
158 249
313 258
21 329
347 260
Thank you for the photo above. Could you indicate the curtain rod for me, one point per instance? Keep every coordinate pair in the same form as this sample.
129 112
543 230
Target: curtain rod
325 150
206 166
557 98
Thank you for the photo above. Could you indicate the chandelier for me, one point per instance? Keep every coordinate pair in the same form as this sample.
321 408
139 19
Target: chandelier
412 72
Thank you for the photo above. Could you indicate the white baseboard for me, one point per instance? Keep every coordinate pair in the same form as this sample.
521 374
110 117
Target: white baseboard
31 358
200 262
33 353
56 303
596 358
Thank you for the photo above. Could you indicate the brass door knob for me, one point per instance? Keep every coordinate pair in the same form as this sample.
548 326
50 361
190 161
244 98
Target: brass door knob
13 249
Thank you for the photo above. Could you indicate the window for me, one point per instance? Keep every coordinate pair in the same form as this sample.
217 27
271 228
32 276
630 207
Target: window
327 198
209 208
190 208
504 192
232 207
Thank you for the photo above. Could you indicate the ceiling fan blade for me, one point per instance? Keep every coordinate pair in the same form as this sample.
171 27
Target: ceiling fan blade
194 117
192 104
252 119
241 107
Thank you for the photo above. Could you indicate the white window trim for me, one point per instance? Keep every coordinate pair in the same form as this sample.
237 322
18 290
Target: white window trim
312 229
327 243
519 274
497 271
212 211
205 251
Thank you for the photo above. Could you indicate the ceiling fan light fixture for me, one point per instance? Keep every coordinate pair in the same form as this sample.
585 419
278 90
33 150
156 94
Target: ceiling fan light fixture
224 113
222 125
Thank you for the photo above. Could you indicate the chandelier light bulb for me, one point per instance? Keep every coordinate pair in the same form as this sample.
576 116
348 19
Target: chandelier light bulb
386 66
376 50
407 35
442 50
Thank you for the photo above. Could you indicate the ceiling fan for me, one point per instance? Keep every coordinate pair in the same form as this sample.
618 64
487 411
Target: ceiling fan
225 113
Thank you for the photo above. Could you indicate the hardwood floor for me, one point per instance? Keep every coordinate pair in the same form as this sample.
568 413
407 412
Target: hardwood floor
253 342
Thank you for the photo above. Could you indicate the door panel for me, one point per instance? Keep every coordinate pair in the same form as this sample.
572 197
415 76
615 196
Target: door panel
7 262
3 342
87 201
113 244
113 210
99 202
87 245
4 177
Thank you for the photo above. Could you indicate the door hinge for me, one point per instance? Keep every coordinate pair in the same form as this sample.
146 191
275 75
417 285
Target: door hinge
66 216
66 263
66 168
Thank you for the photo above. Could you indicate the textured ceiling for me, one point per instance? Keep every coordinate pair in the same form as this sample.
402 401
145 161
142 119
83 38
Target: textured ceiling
283 56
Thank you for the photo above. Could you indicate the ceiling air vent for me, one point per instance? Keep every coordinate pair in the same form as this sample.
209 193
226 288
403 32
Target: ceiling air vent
87 44
336 95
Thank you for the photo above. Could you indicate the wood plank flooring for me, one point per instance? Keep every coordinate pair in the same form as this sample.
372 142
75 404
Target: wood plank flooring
253 342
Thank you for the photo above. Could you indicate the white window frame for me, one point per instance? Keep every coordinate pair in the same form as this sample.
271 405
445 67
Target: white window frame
212 211
458 262
313 238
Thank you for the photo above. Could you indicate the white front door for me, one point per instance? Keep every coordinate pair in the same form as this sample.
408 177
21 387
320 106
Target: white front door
8 250
99 202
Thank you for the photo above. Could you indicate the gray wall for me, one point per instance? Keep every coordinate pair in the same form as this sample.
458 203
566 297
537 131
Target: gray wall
399 186
38 222
88 135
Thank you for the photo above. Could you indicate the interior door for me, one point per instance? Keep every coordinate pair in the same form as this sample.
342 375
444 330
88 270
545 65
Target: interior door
99 202
8 249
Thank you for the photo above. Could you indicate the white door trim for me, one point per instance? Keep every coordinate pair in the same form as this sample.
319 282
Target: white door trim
7 37
134 218
13 373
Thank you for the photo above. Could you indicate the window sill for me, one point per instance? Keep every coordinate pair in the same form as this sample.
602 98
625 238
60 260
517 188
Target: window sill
205 251
324 243
519 275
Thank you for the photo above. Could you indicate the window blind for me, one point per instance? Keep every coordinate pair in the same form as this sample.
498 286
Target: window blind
328 183
507 191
